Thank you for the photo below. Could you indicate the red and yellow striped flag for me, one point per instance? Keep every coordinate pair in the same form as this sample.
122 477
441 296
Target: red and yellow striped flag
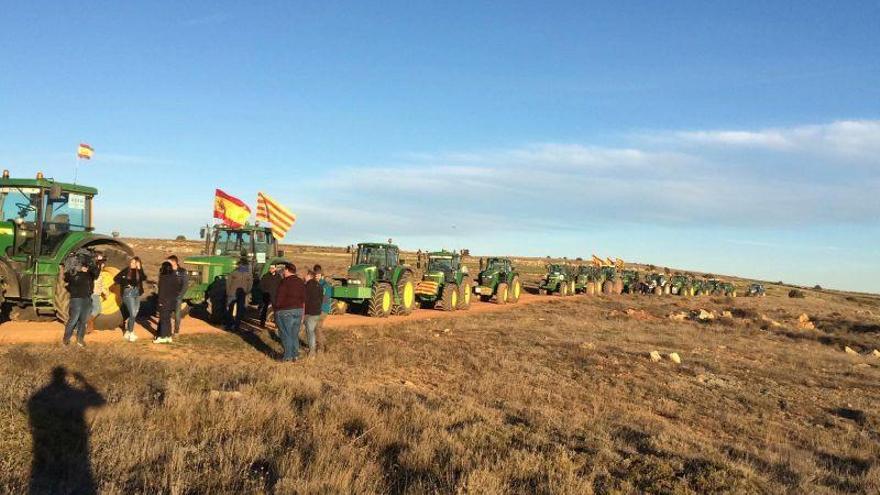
230 210
271 211
85 151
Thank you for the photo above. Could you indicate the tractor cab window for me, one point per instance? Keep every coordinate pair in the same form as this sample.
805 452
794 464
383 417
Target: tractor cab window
21 206
372 255
496 264
232 243
63 214
440 265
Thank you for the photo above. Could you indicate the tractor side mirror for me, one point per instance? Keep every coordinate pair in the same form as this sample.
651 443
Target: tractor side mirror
202 233
55 192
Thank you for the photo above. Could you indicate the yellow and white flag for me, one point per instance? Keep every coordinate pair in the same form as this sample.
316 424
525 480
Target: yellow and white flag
271 211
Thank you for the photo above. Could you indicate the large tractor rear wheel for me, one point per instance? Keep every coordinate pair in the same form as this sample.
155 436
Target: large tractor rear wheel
562 290
379 305
501 293
618 286
464 294
591 289
449 298
406 295
608 287
658 291
597 289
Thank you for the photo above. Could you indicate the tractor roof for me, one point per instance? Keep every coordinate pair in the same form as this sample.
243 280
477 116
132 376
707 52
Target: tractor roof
376 244
441 254
47 183
245 228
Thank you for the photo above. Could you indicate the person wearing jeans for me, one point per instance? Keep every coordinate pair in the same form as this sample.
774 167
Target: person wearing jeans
314 300
80 286
131 280
289 304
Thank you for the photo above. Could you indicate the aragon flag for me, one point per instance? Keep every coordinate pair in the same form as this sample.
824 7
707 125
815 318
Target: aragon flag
271 211
230 210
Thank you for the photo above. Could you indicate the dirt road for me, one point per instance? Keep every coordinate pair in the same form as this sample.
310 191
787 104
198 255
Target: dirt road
18 332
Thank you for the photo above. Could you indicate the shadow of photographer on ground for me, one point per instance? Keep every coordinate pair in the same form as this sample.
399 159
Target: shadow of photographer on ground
61 462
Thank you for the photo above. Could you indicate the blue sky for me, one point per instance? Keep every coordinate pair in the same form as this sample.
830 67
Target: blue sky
734 137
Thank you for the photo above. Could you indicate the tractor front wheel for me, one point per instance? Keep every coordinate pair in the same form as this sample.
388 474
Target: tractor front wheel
515 291
379 305
501 293
608 287
449 298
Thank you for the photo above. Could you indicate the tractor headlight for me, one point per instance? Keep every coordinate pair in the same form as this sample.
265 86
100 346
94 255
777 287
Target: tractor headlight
354 282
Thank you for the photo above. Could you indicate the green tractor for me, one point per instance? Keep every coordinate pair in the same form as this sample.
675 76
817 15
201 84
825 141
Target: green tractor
378 282
445 284
716 287
681 285
657 284
499 279
43 223
224 248
756 290
561 279
631 280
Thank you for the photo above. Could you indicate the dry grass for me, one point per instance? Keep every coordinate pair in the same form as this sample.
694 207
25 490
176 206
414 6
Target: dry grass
546 398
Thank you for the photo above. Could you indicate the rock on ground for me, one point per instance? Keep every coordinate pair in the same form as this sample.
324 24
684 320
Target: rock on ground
655 356
675 358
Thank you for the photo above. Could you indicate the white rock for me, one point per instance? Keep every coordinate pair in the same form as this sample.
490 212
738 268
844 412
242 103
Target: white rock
655 356
849 350
675 358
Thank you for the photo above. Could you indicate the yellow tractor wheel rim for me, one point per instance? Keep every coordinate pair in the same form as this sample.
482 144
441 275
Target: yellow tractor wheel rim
516 289
467 297
409 296
113 300
454 299
386 301
503 294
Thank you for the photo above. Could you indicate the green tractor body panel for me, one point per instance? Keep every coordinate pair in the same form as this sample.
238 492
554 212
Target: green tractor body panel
42 222
631 281
680 284
224 248
756 290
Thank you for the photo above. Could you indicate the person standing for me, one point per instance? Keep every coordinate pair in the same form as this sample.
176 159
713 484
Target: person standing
169 291
184 282
80 285
314 301
326 306
99 293
268 287
238 285
289 304
131 280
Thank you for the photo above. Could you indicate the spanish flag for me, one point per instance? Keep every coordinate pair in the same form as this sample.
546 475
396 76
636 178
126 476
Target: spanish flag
85 151
230 210
271 211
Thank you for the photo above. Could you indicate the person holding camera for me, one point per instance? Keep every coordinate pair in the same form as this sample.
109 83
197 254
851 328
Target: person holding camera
80 285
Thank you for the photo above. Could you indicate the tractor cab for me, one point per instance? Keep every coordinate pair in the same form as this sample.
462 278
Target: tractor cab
224 248
443 266
37 215
383 258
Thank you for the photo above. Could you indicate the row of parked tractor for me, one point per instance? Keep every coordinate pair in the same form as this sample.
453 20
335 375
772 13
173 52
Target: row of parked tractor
379 283
612 277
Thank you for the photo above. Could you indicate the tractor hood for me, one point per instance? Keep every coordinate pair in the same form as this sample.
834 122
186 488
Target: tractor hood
210 261
435 276
362 273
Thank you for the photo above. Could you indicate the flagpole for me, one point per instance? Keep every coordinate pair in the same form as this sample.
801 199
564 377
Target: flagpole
76 169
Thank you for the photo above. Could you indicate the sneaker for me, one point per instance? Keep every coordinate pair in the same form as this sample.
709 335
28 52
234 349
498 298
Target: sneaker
162 340
132 337
80 343
126 336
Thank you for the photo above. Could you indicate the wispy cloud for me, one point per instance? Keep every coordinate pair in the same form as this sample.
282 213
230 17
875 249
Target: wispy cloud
689 178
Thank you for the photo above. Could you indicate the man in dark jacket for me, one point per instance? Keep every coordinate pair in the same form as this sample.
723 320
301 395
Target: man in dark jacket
238 285
289 303
269 288
183 277
80 285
